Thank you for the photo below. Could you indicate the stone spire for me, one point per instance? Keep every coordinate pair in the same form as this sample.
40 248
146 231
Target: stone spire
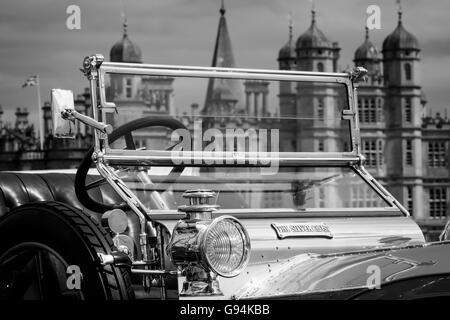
225 89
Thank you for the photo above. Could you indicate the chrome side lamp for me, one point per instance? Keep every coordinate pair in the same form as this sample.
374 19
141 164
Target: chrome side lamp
205 248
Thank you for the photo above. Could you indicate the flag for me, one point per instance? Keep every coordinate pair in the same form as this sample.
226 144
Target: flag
31 81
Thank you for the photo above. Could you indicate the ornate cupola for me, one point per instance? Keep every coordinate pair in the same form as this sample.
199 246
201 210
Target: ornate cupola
125 50
367 56
400 39
314 51
313 38
124 87
401 56
366 51
286 55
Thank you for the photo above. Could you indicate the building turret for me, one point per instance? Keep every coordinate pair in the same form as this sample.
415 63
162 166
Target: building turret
286 55
22 118
367 56
125 50
314 51
124 87
404 110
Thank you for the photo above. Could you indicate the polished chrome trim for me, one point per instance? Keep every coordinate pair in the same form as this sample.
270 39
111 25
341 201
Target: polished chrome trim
246 243
167 158
114 67
70 114
236 73
288 213
154 272
379 189
229 74
133 202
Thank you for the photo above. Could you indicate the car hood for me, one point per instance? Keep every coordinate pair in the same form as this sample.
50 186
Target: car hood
273 258
348 273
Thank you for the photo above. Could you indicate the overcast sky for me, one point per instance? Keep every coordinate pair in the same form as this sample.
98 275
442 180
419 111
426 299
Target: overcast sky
34 38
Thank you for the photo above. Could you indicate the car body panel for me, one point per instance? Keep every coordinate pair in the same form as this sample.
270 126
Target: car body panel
269 253
309 274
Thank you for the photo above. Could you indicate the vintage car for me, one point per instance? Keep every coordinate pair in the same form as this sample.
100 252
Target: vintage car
261 194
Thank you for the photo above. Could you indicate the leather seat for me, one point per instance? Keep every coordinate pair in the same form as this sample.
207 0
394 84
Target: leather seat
17 188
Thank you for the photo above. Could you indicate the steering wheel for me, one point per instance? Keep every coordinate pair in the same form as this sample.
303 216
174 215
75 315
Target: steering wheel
81 188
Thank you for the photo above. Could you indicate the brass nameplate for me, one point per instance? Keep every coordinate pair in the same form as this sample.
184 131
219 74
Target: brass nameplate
288 230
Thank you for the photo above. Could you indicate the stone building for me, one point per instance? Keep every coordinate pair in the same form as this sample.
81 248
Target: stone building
406 150
138 96
19 144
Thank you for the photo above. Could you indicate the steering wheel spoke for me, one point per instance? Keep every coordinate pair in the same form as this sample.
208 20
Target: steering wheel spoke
129 141
96 183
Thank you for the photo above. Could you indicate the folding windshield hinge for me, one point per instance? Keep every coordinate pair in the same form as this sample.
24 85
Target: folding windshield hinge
348 114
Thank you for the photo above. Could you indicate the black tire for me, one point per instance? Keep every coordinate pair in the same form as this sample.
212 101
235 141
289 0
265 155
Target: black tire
68 234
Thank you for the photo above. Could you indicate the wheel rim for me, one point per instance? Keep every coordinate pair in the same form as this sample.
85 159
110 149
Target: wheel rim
34 271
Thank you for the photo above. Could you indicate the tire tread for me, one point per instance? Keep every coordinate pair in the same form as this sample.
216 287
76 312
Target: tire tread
98 240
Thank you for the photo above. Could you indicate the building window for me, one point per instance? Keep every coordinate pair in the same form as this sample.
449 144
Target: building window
320 109
363 115
380 149
408 110
372 111
438 202
273 200
407 71
380 115
409 153
321 198
361 197
128 88
320 145
158 98
373 151
409 199
320 67
436 154
368 110
357 197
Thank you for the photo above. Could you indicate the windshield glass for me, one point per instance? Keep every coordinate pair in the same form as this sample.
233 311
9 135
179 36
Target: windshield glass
269 116
245 188
255 121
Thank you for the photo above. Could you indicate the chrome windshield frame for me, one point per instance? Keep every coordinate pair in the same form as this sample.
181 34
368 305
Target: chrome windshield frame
345 79
96 70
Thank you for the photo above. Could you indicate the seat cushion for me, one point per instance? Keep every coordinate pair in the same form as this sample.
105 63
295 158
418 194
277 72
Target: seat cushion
17 188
